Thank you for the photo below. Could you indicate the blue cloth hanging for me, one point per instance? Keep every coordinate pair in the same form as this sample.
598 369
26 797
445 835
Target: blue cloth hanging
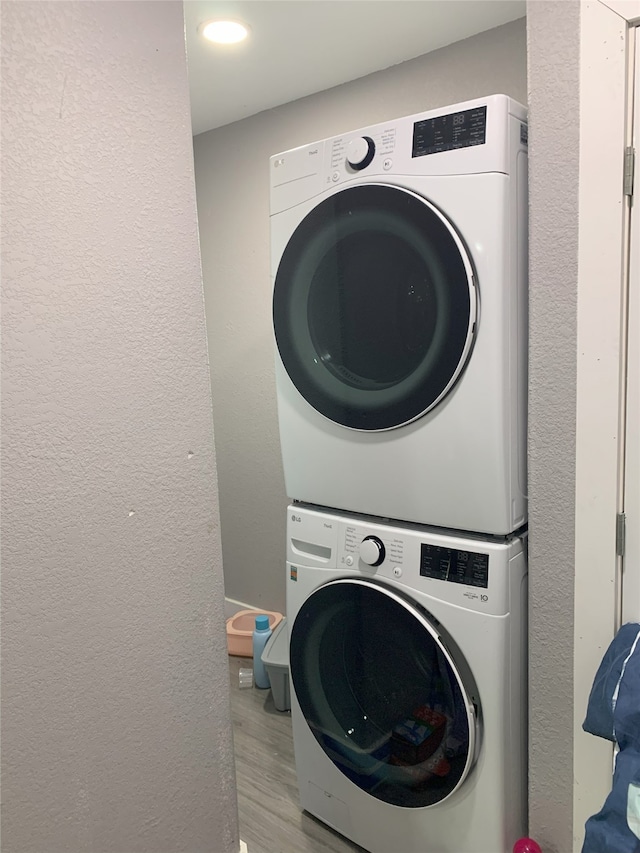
613 713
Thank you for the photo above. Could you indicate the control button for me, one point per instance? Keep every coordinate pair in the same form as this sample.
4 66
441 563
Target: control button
387 164
360 152
335 177
349 560
372 551
397 572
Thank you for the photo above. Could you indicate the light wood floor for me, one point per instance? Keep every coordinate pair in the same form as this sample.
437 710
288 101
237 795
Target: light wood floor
270 816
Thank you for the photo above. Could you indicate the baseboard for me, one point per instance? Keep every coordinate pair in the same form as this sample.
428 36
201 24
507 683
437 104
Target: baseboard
231 607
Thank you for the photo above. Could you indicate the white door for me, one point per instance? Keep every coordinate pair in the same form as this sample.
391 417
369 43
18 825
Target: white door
631 573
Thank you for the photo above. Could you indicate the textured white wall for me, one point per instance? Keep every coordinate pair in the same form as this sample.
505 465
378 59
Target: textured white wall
554 143
232 180
115 717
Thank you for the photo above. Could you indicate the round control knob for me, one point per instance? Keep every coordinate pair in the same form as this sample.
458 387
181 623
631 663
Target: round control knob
372 551
360 152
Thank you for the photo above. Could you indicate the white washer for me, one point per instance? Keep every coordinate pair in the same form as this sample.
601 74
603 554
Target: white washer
408 682
400 315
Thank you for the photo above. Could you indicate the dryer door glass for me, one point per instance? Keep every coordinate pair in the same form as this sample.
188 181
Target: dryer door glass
390 702
374 307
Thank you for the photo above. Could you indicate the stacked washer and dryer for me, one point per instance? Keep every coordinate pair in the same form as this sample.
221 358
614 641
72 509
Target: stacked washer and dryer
399 259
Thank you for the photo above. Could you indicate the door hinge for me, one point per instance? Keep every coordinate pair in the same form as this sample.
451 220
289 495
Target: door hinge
629 168
621 525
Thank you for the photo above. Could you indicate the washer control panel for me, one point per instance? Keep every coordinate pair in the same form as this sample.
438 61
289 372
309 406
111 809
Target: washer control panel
441 565
372 550
450 564
363 549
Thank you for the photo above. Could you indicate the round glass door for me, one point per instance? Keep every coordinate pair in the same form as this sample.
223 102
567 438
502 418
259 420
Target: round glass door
374 307
382 693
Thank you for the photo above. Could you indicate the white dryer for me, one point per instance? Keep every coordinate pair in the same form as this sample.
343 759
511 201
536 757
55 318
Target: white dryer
400 317
408 699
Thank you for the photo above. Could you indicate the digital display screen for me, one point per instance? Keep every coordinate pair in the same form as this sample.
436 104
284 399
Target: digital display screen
450 564
445 133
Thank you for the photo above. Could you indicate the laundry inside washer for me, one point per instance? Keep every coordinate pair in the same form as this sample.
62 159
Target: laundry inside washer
392 716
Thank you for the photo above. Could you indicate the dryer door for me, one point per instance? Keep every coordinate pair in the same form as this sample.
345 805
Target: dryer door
374 307
387 697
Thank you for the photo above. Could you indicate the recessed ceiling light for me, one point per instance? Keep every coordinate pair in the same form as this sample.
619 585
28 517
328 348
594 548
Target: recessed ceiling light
224 32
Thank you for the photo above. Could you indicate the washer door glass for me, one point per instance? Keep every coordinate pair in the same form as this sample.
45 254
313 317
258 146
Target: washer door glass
374 307
382 693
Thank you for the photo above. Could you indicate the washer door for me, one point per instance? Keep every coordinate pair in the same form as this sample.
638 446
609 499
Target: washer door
383 694
374 307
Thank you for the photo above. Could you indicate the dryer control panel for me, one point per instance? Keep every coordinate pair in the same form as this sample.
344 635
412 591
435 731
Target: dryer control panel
461 139
448 132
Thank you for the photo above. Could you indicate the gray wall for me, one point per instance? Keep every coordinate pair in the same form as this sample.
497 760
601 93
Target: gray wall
232 180
115 717
553 69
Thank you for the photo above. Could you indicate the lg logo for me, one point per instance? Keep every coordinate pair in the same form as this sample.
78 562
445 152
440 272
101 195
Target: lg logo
296 518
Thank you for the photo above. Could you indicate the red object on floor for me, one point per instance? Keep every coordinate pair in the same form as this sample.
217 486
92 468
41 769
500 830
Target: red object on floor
526 845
